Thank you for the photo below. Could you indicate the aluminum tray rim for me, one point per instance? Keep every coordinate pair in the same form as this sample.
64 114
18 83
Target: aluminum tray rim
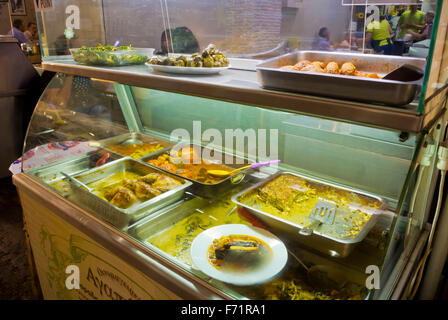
142 205
359 237
261 66
104 143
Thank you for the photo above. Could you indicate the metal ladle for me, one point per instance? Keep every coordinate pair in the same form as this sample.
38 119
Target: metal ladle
224 173
322 276
132 141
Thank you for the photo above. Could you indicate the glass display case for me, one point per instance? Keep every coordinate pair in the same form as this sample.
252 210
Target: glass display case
111 148
249 33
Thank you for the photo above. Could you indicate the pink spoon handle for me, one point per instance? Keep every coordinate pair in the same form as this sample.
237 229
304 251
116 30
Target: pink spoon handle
262 164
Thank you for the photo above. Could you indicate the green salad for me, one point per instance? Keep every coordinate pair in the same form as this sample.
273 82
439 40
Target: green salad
108 55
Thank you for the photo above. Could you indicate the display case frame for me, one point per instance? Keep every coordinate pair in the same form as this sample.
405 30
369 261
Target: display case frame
414 128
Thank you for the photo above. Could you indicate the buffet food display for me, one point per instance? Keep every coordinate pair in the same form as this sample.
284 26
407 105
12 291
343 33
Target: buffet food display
155 197
145 167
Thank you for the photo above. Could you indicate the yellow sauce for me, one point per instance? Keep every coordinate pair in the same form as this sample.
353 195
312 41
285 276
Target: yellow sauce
136 151
190 166
293 199
177 239
102 186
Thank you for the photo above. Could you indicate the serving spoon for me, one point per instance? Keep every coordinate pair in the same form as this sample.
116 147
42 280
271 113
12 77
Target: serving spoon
224 173
406 72
132 141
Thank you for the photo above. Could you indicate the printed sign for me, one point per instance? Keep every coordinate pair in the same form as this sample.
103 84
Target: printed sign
72 266
43 5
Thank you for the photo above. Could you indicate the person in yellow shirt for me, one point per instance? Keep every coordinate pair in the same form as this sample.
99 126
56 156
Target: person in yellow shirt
412 19
378 33
425 33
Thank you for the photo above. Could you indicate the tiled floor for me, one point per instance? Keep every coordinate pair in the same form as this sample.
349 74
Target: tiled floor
15 276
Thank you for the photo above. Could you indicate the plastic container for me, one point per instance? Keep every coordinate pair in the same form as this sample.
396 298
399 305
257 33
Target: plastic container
111 58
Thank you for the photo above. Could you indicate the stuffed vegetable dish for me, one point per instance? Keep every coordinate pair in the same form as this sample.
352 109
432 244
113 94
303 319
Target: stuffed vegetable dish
210 57
347 68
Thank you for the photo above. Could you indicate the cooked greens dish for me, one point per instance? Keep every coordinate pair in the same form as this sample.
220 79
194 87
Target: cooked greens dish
210 57
107 55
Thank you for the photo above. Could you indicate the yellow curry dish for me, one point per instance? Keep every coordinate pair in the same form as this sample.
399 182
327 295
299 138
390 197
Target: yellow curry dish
189 164
124 189
177 239
292 198
136 151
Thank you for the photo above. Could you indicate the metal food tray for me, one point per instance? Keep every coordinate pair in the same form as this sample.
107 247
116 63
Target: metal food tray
207 190
333 246
139 136
387 92
51 173
166 218
118 217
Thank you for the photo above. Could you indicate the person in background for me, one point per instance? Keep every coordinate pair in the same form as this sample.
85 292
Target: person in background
378 33
349 43
427 30
31 31
323 40
413 20
394 16
178 40
17 32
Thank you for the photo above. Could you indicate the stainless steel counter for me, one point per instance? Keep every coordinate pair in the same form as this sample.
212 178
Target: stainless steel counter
242 86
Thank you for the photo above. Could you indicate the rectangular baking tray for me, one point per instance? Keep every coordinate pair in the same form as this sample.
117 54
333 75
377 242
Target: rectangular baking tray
207 190
51 173
378 91
166 218
106 143
122 218
332 246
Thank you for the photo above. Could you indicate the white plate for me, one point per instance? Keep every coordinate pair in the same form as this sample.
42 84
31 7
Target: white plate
203 241
186 70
